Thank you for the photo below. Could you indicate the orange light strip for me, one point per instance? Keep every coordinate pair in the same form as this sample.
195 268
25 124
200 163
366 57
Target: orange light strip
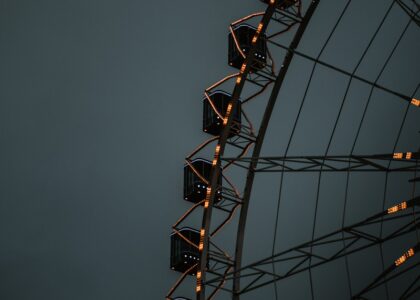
198 287
202 234
207 201
259 28
415 102
400 155
242 71
404 257
228 111
396 208
216 154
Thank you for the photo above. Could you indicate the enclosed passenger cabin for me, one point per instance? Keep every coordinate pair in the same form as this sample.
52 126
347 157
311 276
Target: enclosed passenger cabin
282 4
212 122
183 254
195 188
244 34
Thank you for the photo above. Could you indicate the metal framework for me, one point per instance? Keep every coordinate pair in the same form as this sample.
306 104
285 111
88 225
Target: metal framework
330 247
353 163
218 270
412 12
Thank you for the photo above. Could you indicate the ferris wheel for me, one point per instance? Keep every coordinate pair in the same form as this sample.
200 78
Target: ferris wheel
227 177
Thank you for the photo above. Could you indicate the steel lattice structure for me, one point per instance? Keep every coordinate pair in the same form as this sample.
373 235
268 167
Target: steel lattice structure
217 270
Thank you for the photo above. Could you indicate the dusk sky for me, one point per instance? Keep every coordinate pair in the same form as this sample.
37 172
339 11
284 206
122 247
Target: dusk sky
101 101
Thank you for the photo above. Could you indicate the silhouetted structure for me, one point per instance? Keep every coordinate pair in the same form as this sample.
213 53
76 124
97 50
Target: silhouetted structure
185 255
195 187
282 4
244 34
212 120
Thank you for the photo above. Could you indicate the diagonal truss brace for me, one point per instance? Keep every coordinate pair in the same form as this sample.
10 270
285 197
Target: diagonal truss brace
327 248
403 162
398 268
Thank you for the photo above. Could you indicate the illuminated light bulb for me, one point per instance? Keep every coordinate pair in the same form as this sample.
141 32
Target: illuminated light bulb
202 232
214 162
397 208
254 39
198 275
229 108
238 80
198 288
217 149
404 257
200 246
400 261
398 155
408 155
260 26
410 252
206 204
243 68
415 102
392 210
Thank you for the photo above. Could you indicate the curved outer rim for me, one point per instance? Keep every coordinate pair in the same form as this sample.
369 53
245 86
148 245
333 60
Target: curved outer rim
222 140
258 145
215 172
256 152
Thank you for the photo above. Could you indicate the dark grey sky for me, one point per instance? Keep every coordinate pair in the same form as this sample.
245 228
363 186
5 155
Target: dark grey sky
100 101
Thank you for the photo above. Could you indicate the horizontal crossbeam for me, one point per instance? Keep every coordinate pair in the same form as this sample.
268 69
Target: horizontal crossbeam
401 162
